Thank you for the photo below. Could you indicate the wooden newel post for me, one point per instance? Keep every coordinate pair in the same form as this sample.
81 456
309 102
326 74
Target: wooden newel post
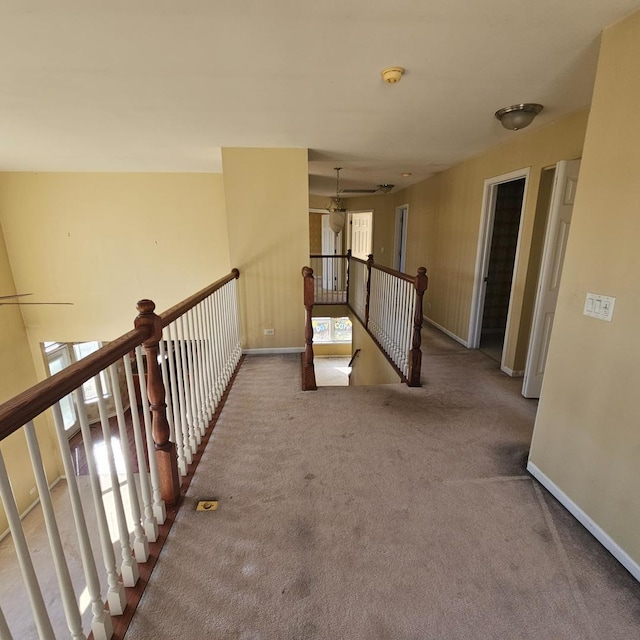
366 304
165 449
415 355
308 370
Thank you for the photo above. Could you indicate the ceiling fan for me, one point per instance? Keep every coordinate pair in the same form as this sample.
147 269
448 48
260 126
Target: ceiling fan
382 188
22 295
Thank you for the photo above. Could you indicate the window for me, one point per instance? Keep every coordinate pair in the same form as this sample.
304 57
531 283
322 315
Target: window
60 355
331 329
89 389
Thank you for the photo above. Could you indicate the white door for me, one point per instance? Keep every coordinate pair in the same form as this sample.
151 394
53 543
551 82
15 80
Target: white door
555 244
400 247
361 234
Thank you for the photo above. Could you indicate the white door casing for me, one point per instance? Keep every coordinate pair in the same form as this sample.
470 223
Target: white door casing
332 275
555 244
484 249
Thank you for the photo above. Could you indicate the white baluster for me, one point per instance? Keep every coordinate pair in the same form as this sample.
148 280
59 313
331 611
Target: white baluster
41 617
128 566
217 336
197 361
159 509
150 522
181 380
68 596
236 323
210 354
187 361
115 594
140 542
206 373
178 421
167 389
101 624
5 634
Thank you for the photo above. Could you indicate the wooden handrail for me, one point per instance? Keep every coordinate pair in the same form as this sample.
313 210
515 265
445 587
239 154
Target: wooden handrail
181 308
24 407
393 272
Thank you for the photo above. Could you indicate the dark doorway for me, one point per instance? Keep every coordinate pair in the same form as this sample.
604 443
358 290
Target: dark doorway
504 240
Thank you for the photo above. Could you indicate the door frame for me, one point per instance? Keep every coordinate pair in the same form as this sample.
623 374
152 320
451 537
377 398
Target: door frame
400 252
485 235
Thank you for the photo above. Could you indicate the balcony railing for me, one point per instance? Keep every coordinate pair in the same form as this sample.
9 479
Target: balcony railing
185 359
388 304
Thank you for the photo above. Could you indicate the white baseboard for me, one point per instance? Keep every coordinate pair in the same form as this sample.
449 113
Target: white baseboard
512 373
594 529
464 343
31 507
263 352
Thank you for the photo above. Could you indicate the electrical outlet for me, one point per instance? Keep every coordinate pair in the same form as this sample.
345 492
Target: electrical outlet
269 332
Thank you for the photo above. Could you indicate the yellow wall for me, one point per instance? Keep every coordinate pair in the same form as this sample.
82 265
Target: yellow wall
16 374
370 366
104 241
267 200
444 223
587 433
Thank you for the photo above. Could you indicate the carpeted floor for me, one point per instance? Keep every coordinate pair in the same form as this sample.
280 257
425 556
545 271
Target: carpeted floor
380 513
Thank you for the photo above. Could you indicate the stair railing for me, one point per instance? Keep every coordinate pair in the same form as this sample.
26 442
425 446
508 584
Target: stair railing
185 359
388 304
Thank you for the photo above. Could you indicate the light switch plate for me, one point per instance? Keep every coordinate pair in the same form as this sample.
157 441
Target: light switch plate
599 307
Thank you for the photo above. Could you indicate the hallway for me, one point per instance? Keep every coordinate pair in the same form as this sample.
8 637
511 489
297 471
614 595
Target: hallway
380 513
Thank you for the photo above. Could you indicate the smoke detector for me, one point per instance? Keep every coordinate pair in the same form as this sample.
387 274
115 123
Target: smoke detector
391 75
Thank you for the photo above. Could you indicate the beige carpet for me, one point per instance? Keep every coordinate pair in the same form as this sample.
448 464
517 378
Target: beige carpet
380 513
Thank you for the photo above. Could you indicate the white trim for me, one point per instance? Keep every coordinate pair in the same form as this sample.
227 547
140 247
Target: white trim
316 210
592 527
263 352
447 332
484 246
31 507
510 372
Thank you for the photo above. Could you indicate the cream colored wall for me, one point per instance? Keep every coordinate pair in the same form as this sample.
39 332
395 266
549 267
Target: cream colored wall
267 200
370 366
444 224
587 433
104 241
16 374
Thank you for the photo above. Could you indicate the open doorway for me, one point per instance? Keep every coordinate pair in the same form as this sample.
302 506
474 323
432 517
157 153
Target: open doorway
400 245
497 253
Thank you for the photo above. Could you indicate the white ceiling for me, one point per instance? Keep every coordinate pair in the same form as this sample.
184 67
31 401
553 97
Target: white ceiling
155 85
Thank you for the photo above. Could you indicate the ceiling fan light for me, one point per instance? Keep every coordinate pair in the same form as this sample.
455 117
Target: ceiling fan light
518 116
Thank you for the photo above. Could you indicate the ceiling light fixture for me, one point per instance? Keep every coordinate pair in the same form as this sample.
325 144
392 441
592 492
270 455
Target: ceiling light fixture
406 174
386 187
518 116
337 212
391 75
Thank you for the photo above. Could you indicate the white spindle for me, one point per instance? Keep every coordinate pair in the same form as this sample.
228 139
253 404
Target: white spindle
187 361
210 355
101 624
41 617
181 379
115 594
128 566
215 331
140 542
5 634
68 596
167 389
197 358
150 522
178 421
159 509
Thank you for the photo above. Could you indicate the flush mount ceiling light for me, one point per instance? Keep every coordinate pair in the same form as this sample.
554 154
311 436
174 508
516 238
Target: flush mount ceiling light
392 75
518 116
